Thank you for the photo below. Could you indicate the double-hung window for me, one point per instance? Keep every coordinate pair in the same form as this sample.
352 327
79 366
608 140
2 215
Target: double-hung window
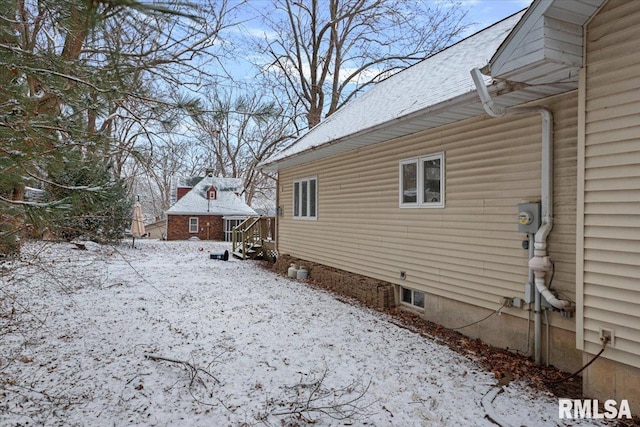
193 224
422 181
305 198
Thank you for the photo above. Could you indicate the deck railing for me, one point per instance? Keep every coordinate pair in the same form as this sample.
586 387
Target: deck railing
255 237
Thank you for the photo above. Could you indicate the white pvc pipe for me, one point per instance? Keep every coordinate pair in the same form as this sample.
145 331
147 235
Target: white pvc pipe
540 263
551 298
546 193
485 98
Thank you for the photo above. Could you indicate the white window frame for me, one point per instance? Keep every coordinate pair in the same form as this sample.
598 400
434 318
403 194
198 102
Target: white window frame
412 303
419 162
298 208
191 224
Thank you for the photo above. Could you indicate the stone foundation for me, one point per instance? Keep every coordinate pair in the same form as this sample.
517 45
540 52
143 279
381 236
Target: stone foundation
371 292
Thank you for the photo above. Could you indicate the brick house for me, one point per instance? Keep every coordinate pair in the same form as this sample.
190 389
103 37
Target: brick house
209 210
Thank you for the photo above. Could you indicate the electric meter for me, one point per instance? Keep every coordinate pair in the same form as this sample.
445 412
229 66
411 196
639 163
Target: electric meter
525 218
528 217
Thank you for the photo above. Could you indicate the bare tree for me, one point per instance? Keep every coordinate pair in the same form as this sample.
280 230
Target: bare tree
238 131
323 52
158 165
102 69
160 57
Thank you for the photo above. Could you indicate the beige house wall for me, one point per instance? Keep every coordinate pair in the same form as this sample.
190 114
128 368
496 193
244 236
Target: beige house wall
469 252
609 200
157 230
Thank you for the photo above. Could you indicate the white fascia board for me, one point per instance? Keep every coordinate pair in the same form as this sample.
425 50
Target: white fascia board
518 35
333 147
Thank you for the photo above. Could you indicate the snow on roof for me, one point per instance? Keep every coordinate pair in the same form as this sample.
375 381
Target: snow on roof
227 202
439 78
222 184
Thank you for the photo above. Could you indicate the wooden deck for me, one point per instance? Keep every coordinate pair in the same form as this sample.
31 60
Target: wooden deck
254 238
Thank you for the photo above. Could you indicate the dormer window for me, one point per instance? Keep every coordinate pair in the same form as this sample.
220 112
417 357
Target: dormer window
212 193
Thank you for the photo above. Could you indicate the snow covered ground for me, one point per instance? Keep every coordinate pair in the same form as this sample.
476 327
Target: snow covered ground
162 335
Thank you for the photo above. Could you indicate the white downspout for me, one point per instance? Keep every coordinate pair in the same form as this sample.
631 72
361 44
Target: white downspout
540 263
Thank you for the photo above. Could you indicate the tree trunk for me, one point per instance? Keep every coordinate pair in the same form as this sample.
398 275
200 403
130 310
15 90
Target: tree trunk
314 116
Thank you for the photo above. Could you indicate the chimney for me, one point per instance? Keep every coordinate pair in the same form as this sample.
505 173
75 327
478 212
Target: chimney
181 191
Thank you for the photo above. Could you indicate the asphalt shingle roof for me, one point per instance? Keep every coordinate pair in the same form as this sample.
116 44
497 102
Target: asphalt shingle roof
439 78
227 202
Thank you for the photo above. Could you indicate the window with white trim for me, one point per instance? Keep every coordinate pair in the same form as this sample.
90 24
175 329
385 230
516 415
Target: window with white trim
412 297
193 224
422 181
305 198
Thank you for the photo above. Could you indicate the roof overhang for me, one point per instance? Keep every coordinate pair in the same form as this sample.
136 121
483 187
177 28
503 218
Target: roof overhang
456 109
545 47
540 57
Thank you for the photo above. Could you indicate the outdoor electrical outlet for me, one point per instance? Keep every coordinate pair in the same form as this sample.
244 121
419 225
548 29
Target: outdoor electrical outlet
507 301
606 335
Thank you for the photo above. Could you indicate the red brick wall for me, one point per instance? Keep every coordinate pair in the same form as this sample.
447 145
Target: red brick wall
182 191
178 227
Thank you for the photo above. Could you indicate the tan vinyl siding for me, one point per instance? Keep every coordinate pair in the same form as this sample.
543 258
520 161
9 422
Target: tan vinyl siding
549 38
610 239
564 40
470 250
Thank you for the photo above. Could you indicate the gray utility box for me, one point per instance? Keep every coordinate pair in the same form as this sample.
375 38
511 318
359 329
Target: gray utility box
529 217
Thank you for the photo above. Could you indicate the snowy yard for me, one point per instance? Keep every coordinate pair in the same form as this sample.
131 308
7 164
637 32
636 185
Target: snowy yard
162 335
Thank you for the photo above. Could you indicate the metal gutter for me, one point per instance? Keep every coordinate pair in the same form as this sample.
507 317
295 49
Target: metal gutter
315 152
